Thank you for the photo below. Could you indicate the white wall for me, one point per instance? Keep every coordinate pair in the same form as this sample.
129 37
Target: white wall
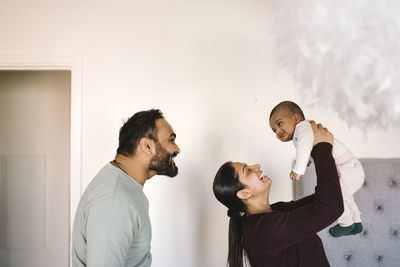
208 66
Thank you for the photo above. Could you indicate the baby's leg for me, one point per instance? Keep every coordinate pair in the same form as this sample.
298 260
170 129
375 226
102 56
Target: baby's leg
355 212
351 179
352 175
358 227
346 219
345 224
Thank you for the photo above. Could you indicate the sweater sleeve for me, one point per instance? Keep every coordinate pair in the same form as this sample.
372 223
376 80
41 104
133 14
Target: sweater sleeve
286 206
303 141
278 230
111 227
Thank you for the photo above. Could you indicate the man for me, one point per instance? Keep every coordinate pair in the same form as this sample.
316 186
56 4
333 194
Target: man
112 225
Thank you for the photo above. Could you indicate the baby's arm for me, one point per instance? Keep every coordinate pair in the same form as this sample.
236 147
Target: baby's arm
303 140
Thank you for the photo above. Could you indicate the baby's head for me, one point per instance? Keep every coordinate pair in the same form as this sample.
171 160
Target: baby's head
283 120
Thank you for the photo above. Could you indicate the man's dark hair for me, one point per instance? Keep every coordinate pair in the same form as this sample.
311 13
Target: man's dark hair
293 107
141 124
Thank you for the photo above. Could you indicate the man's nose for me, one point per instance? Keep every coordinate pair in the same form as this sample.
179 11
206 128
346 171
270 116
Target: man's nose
177 149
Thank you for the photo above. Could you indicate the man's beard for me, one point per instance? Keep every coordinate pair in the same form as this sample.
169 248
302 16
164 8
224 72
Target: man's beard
162 162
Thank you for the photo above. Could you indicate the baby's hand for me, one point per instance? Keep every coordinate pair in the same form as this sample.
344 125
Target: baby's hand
294 176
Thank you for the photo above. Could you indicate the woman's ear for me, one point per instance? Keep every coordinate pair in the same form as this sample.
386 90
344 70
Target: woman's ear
147 146
243 194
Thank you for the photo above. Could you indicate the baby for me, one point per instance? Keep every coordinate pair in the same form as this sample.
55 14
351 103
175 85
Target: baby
288 123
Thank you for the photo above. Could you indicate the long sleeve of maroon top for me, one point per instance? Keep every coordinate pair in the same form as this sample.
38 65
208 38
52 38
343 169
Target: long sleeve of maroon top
287 235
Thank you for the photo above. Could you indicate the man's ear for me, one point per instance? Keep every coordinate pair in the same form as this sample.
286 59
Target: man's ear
243 194
147 146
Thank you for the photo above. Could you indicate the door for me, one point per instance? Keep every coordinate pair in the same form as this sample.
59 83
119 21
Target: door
34 168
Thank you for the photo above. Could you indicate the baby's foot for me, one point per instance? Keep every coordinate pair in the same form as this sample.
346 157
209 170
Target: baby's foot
338 231
358 227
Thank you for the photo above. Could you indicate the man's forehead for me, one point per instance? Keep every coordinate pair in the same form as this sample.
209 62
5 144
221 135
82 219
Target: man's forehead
164 129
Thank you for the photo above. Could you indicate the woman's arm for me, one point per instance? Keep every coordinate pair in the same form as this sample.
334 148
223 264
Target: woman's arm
286 206
319 134
279 230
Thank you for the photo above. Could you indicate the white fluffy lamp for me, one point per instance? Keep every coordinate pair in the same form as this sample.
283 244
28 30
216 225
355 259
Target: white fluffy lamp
345 52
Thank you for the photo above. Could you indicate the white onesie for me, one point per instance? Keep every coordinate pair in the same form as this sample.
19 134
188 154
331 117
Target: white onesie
350 170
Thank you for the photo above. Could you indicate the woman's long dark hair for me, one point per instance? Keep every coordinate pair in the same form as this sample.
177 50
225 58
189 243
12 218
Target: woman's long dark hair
226 185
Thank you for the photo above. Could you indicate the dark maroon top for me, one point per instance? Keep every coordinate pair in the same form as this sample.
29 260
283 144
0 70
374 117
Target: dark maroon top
287 236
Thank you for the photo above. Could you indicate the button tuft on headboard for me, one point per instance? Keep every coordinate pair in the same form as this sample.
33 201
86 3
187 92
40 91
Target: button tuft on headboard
365 232
395 232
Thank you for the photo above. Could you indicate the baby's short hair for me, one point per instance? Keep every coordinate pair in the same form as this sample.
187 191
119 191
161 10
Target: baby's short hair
291 106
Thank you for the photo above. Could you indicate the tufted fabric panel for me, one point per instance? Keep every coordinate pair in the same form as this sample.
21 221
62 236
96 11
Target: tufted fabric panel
379 203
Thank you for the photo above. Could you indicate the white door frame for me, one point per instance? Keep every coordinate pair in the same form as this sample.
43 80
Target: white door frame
71 63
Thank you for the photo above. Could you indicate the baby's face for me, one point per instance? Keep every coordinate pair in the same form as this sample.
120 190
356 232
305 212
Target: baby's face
283 123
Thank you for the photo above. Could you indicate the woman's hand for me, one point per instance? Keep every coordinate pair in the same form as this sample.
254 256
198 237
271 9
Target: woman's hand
321 134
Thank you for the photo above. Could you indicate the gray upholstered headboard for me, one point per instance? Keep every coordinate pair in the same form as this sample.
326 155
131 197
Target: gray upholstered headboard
379 203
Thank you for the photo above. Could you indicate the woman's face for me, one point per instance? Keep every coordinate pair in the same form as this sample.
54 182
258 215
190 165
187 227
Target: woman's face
253 179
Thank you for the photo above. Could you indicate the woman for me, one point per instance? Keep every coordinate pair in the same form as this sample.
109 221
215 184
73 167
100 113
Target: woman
284 233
